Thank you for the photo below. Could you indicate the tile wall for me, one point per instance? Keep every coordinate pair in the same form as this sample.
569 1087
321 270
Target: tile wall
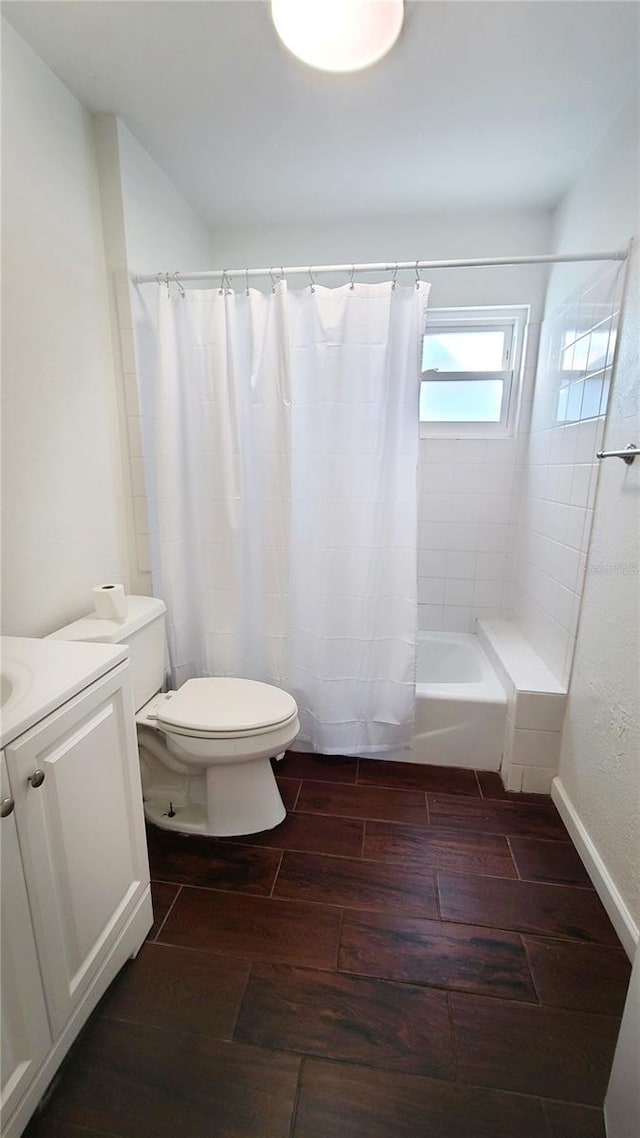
466 510
558 469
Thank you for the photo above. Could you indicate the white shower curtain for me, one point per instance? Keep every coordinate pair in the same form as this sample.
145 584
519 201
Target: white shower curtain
286 454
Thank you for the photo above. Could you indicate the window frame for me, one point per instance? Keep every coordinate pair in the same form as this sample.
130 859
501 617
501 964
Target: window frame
515 320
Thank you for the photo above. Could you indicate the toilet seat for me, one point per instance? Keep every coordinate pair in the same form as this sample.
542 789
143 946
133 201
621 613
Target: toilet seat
226 708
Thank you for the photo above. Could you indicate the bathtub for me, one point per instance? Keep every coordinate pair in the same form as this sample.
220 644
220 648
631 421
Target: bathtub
461 706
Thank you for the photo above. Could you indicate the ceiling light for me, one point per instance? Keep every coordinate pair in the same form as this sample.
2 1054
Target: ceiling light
338 35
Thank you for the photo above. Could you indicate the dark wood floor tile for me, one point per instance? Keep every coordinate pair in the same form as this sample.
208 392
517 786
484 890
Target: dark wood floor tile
44 1126
569 1121
491 787
195 860
522 820
345 1101
540 1051
320 768
255 928
437 953
364 802
549 861
438 849
587 977
418 776
395 1026
525 906
356 884
289 789
313 833
178 989
144 1082
162 897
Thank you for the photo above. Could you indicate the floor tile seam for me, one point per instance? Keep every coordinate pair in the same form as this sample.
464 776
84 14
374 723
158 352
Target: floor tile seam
512 856
546 937
446 989
533 1007
169 910
229 954
435 824
295 801
276 874
562 938
362 818
203 951
478 783
453 1040
500 803
344 1062
523 881
199 1032
414 790
242 999
240 890
293 1123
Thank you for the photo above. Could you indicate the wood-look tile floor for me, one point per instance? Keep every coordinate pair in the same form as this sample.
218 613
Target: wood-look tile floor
413 953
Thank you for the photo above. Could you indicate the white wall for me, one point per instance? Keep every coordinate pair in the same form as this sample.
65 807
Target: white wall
62 494
599 777
428 237
465 485
148 227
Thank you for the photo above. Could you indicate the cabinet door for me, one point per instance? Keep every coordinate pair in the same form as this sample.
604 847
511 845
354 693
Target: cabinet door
81 834
25 1027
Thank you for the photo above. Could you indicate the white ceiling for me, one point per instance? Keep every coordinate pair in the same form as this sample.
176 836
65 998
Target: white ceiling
479 105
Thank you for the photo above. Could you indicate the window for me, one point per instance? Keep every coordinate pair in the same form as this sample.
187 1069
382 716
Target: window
470 364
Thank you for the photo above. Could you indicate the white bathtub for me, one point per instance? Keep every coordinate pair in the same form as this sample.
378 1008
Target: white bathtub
461 706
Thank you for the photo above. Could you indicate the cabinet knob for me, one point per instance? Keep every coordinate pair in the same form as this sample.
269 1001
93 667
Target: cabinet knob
6 807
36 779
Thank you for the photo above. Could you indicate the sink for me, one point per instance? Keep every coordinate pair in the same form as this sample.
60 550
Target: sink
15 681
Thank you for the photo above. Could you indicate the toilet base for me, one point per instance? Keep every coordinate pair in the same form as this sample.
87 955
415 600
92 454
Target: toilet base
241 798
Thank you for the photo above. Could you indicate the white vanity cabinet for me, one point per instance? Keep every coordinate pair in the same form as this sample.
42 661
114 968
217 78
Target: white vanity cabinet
26 1039
74 853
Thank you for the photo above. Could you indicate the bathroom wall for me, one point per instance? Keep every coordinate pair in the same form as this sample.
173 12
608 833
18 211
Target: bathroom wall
62 492
598 787
466 485
148 226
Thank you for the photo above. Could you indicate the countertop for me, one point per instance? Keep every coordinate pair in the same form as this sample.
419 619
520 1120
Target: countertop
37 676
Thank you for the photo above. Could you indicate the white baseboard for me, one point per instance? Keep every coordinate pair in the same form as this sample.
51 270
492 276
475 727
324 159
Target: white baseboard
604 885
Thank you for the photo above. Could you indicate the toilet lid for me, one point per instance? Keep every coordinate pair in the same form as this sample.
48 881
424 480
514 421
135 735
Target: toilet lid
226 705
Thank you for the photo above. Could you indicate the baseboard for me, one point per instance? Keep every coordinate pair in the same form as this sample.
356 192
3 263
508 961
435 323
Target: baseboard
604 885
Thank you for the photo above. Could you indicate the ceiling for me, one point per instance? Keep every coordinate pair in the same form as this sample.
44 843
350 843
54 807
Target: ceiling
479 105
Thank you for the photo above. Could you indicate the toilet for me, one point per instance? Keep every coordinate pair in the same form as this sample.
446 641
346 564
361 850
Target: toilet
205 749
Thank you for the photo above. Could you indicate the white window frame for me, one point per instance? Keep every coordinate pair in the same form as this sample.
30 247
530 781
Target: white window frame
496 317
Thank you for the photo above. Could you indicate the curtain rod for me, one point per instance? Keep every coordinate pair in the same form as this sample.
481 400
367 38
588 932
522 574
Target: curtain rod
382 267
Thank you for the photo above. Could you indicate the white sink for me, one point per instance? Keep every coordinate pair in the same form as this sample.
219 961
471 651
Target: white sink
37 676
15 681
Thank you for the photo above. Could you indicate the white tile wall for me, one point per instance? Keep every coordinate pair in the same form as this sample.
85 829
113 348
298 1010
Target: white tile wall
466 511
559 470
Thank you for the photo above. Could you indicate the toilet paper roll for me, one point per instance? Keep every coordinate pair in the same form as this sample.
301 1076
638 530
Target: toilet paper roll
110 602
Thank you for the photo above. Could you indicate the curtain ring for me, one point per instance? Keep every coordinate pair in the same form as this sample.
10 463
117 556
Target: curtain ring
166 281
351 284
418 277
273 280
395 277
222 283
246 281
313 283
179 284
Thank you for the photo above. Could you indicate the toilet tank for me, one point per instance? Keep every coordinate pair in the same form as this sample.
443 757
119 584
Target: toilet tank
142 630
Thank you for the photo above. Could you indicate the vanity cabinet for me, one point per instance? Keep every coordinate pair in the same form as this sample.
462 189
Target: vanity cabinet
26 1038
76 842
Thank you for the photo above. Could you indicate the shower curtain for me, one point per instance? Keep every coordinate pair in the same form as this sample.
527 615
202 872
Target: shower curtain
286 454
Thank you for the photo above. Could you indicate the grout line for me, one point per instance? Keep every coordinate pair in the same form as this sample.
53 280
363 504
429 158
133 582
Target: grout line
295 803
241 1001
515 864
296 1099
531 972
454 1038
273 883
364 834
166 916
426 804
478 784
